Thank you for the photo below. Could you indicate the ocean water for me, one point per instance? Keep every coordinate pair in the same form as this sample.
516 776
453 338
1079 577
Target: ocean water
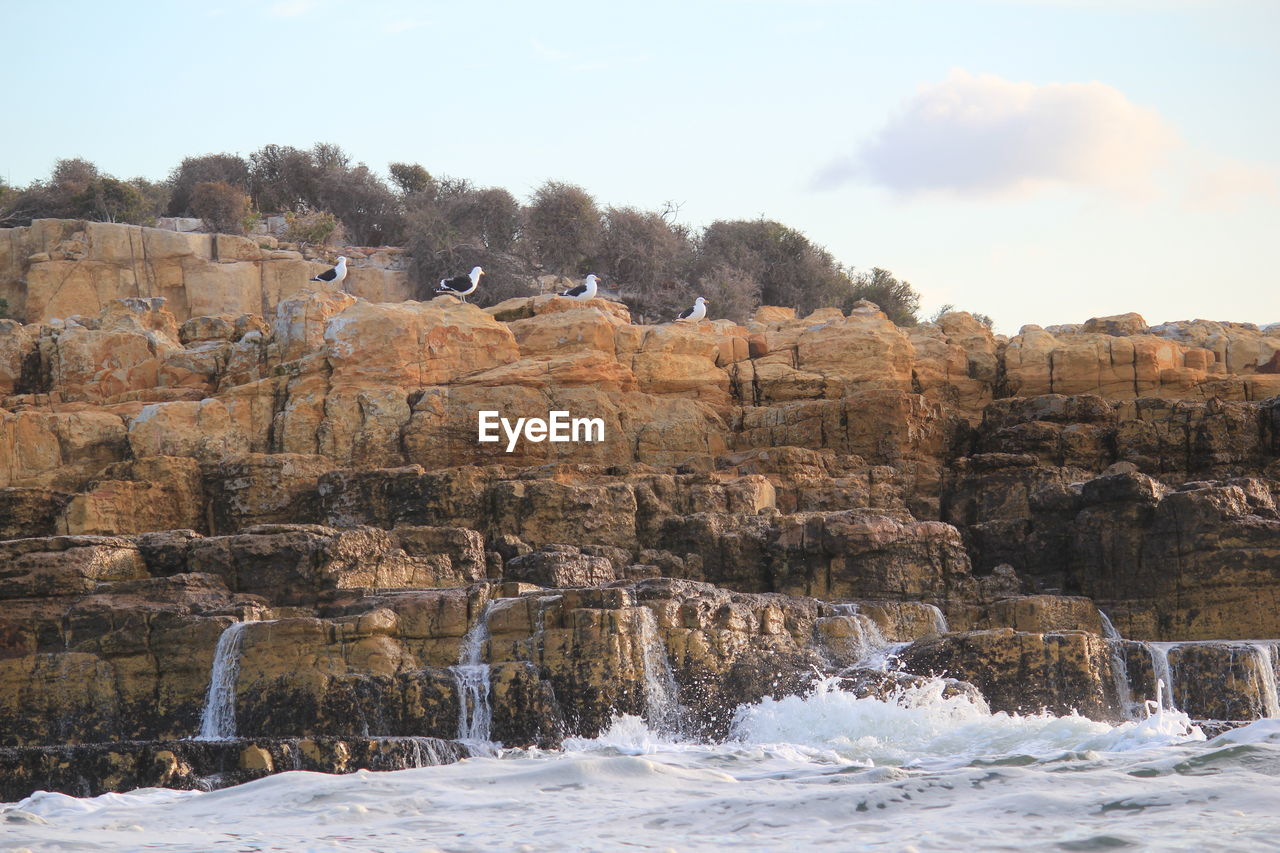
825 771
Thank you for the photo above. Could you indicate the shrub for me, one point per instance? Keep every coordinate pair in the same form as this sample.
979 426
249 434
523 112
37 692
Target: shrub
317 227
4 308
412 178
790 270
155 197
222 207
76 189
897 299
107 199
358 198
444 241
291 180
230 169
648 259
563 226
282 178
488 217
731 292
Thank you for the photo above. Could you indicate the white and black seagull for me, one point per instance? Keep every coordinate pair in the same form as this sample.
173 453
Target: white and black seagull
586 290
336 274
694 314
462 285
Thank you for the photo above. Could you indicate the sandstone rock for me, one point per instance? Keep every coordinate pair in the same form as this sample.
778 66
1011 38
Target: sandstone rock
300 322
65 565
293 563
202 430
560 566
151 493
262 488
417 344
1120 325
1025 672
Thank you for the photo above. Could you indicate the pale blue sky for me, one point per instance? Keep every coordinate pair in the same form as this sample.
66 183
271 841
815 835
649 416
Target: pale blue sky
1043 161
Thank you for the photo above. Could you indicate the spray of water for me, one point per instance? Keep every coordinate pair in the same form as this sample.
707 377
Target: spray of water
662 694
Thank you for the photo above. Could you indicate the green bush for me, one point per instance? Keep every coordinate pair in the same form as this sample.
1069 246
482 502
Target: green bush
316 227
897 299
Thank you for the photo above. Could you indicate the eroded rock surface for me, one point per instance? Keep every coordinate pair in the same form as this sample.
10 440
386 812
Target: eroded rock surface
192 437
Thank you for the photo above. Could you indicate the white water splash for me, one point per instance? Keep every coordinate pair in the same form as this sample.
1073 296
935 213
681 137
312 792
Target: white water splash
218 722
475 715
922 726
662 694
923 771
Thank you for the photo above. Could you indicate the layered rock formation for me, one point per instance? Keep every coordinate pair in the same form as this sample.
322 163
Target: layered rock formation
193 435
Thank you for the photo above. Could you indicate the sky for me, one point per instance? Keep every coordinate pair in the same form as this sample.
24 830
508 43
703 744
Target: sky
1041 161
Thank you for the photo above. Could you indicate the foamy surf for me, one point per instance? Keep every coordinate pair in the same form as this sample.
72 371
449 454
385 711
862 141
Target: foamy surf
921 771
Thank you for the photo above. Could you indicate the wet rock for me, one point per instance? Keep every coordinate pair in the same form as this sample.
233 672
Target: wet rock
89 770
1023 672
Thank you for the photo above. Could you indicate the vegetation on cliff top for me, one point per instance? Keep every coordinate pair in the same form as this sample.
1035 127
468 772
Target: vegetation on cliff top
655 263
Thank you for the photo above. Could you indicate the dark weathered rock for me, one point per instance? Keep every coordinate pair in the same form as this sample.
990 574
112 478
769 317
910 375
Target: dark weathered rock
26 513
88 770
1025 672
560 566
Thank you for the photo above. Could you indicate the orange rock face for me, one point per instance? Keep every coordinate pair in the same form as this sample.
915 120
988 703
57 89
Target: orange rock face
200 437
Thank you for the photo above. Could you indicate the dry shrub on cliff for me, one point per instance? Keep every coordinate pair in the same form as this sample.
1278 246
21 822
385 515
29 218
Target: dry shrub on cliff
76 189
897 299
656 265
731 292
318 227
648 258
787 268
108 199
223 208
360 200
281 178
230 169
563 228
453 213
323 179
451 227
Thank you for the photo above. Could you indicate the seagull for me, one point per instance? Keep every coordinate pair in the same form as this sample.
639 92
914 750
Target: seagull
462 285
586 290
694 314
336 274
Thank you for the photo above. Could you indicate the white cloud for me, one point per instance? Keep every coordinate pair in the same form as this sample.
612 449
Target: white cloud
979 134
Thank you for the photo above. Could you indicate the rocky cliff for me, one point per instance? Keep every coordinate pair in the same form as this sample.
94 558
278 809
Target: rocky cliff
194 436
